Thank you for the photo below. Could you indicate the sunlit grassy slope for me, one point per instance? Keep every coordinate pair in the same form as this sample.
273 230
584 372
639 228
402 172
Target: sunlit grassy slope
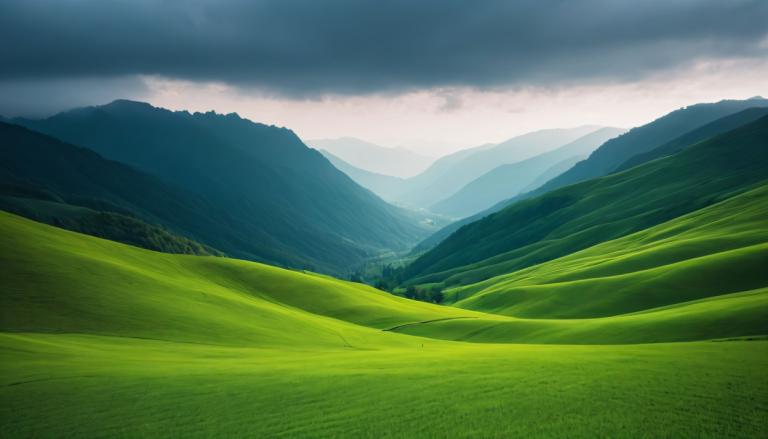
58 281
717 250
101 339
577 217
700 276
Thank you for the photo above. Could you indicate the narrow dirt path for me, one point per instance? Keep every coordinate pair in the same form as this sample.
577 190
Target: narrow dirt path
426 321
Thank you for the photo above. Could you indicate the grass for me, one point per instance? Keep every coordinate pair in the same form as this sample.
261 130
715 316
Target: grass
574 218
86 386
721 249
101 339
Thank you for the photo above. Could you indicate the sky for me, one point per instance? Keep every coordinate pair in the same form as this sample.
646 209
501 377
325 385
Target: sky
434 76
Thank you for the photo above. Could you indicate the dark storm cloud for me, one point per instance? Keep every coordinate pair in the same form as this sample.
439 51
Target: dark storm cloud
311 47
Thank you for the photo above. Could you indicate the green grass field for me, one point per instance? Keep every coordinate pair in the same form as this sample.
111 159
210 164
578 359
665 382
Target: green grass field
101 339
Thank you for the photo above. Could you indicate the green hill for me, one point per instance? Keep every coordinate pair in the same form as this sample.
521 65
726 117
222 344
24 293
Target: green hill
103 224
104 339
713 251
579 216
55 281
285 203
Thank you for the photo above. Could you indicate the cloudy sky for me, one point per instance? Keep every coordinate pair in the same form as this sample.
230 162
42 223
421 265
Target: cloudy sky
432 75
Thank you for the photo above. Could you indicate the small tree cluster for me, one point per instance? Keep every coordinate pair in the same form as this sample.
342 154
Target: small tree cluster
432 294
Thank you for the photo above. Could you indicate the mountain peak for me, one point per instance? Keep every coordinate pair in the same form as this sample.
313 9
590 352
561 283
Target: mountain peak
127 103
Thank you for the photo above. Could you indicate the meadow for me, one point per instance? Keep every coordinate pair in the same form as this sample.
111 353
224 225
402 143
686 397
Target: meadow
100 339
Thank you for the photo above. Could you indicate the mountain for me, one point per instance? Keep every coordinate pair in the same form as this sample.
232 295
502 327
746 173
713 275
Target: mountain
75 188
506 181
615 152
711 129
385 186
415 193
572 218
285 203
396 162
687 138
461 168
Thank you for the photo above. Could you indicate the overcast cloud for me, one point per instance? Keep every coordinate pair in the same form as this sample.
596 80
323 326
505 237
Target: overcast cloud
309 47
391 71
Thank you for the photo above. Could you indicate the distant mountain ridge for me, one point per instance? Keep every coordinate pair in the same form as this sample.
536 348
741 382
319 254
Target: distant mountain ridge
463 167
575 217
508 180
285 202
391 161
385 186
648 137
702 114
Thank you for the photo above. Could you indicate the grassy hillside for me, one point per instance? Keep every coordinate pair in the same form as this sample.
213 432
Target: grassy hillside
56 281
718 250
285 202
104 339
582 215
104 224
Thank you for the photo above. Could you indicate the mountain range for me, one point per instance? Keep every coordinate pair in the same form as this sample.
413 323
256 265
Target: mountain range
572 218
270 198
161 310
666 127
507 180
395 162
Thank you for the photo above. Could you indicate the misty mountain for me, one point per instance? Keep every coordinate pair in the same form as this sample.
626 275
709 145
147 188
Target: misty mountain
648 137
385 186
285 201
462 168
578 216
732 119
707 131
397 162
508 180
61 184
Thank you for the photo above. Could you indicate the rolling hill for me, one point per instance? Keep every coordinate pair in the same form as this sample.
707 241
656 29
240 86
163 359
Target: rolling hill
262 351
285 203
715 251
579 216
507 180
